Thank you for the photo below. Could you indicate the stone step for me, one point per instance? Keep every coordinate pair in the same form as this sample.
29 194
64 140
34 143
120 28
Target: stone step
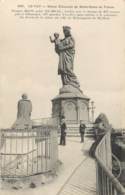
77 135
77 125
75 131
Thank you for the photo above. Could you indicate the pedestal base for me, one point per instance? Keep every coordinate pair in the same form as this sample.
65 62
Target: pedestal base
71 103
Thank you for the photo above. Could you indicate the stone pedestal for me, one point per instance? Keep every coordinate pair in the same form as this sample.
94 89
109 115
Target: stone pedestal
72 103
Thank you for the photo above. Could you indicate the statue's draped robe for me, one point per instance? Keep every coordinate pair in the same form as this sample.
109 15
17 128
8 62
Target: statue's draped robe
66 52
24 109
102 126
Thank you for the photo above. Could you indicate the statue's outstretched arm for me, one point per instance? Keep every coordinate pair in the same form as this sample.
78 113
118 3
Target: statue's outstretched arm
51 40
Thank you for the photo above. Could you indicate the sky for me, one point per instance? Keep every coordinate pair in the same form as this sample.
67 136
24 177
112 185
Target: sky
29 64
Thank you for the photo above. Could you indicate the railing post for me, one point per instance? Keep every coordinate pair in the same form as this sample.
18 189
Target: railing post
107 184
108 150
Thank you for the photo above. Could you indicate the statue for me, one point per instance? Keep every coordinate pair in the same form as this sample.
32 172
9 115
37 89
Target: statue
24 109
102 122
101 127
65 48
70 102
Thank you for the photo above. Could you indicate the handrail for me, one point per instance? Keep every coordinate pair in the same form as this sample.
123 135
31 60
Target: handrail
107 183
113 156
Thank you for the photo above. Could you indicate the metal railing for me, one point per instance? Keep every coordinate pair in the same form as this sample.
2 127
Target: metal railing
51 122
107 183
122 130
27 152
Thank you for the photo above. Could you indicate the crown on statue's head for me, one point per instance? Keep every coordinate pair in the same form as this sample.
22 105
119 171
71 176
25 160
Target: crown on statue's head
66 28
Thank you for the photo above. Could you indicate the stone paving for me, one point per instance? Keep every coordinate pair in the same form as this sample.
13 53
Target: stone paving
83 179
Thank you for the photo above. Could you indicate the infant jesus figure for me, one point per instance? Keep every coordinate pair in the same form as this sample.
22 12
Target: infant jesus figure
56 40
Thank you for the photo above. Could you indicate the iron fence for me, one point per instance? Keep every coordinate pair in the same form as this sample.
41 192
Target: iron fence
28 152
107 183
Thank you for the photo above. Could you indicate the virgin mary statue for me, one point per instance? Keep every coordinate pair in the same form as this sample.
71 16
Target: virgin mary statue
65 48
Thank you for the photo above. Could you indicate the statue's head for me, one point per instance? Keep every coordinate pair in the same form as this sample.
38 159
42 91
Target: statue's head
102 119
24 96
56 35
67 31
